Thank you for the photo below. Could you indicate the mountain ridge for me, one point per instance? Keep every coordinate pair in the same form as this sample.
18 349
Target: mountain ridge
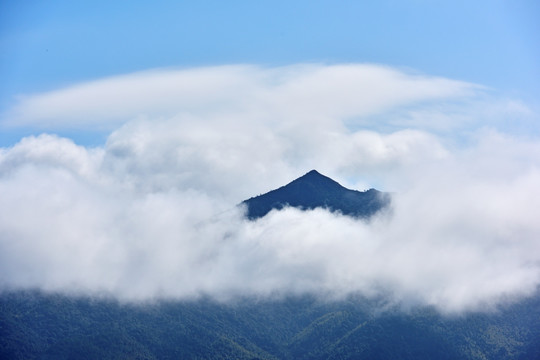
314 190
36 325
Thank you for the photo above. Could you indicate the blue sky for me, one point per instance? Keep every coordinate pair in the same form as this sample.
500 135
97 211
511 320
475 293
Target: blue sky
45 45
52 44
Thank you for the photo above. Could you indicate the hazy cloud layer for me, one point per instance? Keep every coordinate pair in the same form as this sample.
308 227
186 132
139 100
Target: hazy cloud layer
152 212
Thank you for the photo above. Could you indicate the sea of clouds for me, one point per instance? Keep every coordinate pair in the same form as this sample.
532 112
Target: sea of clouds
152 212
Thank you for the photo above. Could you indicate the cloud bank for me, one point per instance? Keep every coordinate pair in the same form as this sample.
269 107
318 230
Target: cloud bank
151 213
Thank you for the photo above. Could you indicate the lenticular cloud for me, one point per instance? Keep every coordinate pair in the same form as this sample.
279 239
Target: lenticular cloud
152 213
307 93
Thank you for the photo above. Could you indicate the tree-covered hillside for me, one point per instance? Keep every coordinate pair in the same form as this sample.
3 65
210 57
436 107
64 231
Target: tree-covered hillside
40 326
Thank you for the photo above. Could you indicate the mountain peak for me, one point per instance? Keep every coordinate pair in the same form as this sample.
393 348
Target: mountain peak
316 178
313 173
314 190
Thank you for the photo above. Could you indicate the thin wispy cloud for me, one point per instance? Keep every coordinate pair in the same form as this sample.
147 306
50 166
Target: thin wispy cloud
152 213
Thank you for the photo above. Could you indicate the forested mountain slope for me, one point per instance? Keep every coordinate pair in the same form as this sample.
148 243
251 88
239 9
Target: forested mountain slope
34 325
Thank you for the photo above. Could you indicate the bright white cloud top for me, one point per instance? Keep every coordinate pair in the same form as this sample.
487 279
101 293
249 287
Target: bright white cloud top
151 213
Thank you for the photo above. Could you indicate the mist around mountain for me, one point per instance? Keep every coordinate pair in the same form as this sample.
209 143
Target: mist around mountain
45 325
314 190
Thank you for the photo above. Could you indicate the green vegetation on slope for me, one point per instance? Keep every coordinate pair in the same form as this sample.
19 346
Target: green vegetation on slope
39 326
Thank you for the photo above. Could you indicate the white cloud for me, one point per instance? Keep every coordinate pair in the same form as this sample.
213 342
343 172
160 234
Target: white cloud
50 151
309 94
152 212
462 235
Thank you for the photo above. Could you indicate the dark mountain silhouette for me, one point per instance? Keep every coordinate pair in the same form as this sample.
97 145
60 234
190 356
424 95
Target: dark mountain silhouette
314 190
